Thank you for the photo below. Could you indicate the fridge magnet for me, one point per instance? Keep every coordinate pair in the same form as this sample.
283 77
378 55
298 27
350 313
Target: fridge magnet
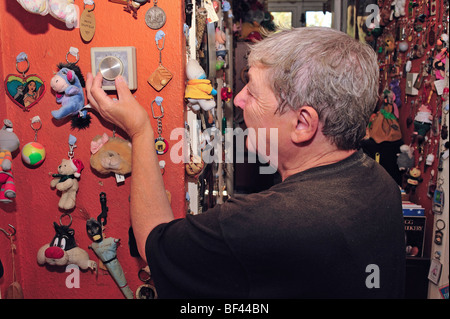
24 90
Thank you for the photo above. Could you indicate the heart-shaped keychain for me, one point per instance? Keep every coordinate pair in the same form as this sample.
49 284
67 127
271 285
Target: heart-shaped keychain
24 90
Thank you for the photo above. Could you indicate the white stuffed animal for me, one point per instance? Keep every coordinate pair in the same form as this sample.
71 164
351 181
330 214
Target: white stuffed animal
63 10
199 91
399 8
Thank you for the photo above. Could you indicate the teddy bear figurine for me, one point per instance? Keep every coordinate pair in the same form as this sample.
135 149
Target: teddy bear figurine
199 91
66 182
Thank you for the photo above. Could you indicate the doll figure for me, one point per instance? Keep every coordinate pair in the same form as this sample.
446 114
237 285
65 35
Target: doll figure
422 123
106 250
199 91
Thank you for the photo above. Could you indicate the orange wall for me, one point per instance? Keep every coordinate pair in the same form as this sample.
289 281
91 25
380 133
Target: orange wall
46 41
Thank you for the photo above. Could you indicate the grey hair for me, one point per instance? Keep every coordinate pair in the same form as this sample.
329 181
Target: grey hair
327 70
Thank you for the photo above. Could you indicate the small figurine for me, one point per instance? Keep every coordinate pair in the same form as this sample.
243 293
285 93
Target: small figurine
63 250
422 123
413 179
66 182
106 250
199 91
405 159
9 142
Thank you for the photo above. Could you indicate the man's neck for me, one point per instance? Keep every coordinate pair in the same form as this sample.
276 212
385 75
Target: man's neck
306 159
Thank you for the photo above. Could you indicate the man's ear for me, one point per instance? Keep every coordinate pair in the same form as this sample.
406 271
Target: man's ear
306 124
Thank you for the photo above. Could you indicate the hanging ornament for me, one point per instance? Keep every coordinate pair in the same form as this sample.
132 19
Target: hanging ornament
63 249
161 144
87 22
14 290
33 153
66 181
155 18
24 90
161 76
106 248
111 155
68 83
9 142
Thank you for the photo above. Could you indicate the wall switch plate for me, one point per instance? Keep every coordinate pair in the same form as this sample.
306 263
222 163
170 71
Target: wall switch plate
114 61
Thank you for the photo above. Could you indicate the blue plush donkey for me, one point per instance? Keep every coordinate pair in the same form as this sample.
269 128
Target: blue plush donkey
68 84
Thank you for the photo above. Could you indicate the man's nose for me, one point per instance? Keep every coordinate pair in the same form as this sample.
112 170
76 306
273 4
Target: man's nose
239 99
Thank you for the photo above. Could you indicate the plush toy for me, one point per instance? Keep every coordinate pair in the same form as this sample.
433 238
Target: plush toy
422 123
68 84
63 10
66 182
399 8
63 250
439 64
413 179
405 159
394 86
199 91
106 250
110 155
9 142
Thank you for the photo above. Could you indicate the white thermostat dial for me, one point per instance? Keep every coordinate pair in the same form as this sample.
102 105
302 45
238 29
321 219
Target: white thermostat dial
112 62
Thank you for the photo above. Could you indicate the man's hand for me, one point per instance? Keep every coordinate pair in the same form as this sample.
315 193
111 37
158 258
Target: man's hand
125 112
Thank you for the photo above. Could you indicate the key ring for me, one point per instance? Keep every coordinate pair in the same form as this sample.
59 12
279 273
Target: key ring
73 51
160 35
438 234
26 70
36 119
61 217
158 100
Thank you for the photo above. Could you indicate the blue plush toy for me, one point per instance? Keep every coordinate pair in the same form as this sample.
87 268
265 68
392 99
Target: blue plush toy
68 84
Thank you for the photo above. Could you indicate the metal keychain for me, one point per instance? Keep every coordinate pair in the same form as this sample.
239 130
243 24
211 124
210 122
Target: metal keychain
161 144
146 291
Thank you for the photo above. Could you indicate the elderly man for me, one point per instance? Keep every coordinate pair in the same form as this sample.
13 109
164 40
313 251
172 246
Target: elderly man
333 227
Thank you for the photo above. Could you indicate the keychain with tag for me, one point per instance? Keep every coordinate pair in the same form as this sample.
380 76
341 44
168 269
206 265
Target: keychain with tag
87 22
155 18
33 153
438 198
161 76
438 234
161 144
24 90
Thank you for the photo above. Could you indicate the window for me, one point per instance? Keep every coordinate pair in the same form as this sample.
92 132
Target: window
318 19
282 19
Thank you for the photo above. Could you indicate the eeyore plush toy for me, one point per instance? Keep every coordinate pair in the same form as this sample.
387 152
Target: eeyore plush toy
68 84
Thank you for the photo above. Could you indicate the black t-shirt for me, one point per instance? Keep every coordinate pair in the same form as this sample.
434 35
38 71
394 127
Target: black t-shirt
333 231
